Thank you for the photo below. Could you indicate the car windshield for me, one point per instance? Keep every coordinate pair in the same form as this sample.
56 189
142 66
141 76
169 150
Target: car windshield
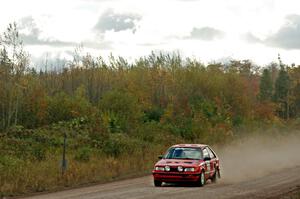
184 153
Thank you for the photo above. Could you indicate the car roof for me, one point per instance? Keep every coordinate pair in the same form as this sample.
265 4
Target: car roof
190 145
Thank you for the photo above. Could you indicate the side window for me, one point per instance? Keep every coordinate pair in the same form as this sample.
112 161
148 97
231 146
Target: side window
211 154
205 153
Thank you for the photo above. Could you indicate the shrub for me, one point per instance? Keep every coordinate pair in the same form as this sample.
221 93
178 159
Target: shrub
83 154
39 152
153 114
9 162
120 111
118 144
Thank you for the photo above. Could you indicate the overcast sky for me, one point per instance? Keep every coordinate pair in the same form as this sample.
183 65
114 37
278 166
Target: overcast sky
209 30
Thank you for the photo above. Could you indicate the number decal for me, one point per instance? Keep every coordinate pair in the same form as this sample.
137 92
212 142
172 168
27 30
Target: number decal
207 166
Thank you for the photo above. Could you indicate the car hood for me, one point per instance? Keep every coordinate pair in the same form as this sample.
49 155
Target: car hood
178 162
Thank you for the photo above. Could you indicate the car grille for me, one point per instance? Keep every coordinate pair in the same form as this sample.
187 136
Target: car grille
173 169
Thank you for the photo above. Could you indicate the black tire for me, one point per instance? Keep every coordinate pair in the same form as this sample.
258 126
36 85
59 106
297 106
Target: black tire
157 183
202 180
219 173
216 176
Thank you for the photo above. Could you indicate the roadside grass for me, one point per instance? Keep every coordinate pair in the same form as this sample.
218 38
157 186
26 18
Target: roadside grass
30 161
296 195
39 176
292 195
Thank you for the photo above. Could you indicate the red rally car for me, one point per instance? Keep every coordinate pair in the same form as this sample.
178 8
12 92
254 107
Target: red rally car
187 163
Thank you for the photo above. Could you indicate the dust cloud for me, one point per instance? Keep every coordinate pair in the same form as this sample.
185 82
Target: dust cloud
258 156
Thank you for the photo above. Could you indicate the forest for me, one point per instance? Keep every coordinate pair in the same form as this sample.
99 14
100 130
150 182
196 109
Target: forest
118 116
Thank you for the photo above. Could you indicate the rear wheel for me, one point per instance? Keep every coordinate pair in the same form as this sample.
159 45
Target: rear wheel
216 176
157 183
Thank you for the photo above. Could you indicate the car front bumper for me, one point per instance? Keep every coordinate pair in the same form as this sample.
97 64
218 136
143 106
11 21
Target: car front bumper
175 177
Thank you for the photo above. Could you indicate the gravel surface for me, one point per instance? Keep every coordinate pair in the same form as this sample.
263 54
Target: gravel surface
275 185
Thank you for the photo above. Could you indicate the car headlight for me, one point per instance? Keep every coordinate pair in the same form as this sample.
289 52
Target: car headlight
167 168
180 168
190 169
159 168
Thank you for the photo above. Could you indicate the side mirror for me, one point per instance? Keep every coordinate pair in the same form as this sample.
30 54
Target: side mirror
207 159
160 157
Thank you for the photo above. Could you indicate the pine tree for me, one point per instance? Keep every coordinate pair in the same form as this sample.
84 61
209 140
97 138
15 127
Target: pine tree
266 86
282 85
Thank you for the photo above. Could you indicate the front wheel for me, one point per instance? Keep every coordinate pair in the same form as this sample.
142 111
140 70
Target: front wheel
157 183
202 179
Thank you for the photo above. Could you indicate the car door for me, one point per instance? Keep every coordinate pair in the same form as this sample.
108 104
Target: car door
213 161
207 162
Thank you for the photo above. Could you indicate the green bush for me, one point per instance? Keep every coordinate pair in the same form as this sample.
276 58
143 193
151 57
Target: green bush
120 111
39 152
9 163
63 107
83 154
153 114
118 144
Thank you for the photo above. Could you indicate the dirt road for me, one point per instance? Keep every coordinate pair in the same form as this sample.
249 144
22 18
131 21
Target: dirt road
254 168
274 185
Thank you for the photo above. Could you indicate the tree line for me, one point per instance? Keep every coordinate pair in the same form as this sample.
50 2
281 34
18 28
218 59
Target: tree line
183 95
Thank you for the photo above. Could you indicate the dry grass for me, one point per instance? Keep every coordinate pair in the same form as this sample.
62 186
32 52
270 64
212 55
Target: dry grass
292 195
46 175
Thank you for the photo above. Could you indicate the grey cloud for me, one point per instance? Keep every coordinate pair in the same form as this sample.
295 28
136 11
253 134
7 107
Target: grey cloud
28 23
249 37
33 40
288 36
206 33
116 22
32 37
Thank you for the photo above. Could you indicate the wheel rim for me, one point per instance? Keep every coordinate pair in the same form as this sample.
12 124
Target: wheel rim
202 178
